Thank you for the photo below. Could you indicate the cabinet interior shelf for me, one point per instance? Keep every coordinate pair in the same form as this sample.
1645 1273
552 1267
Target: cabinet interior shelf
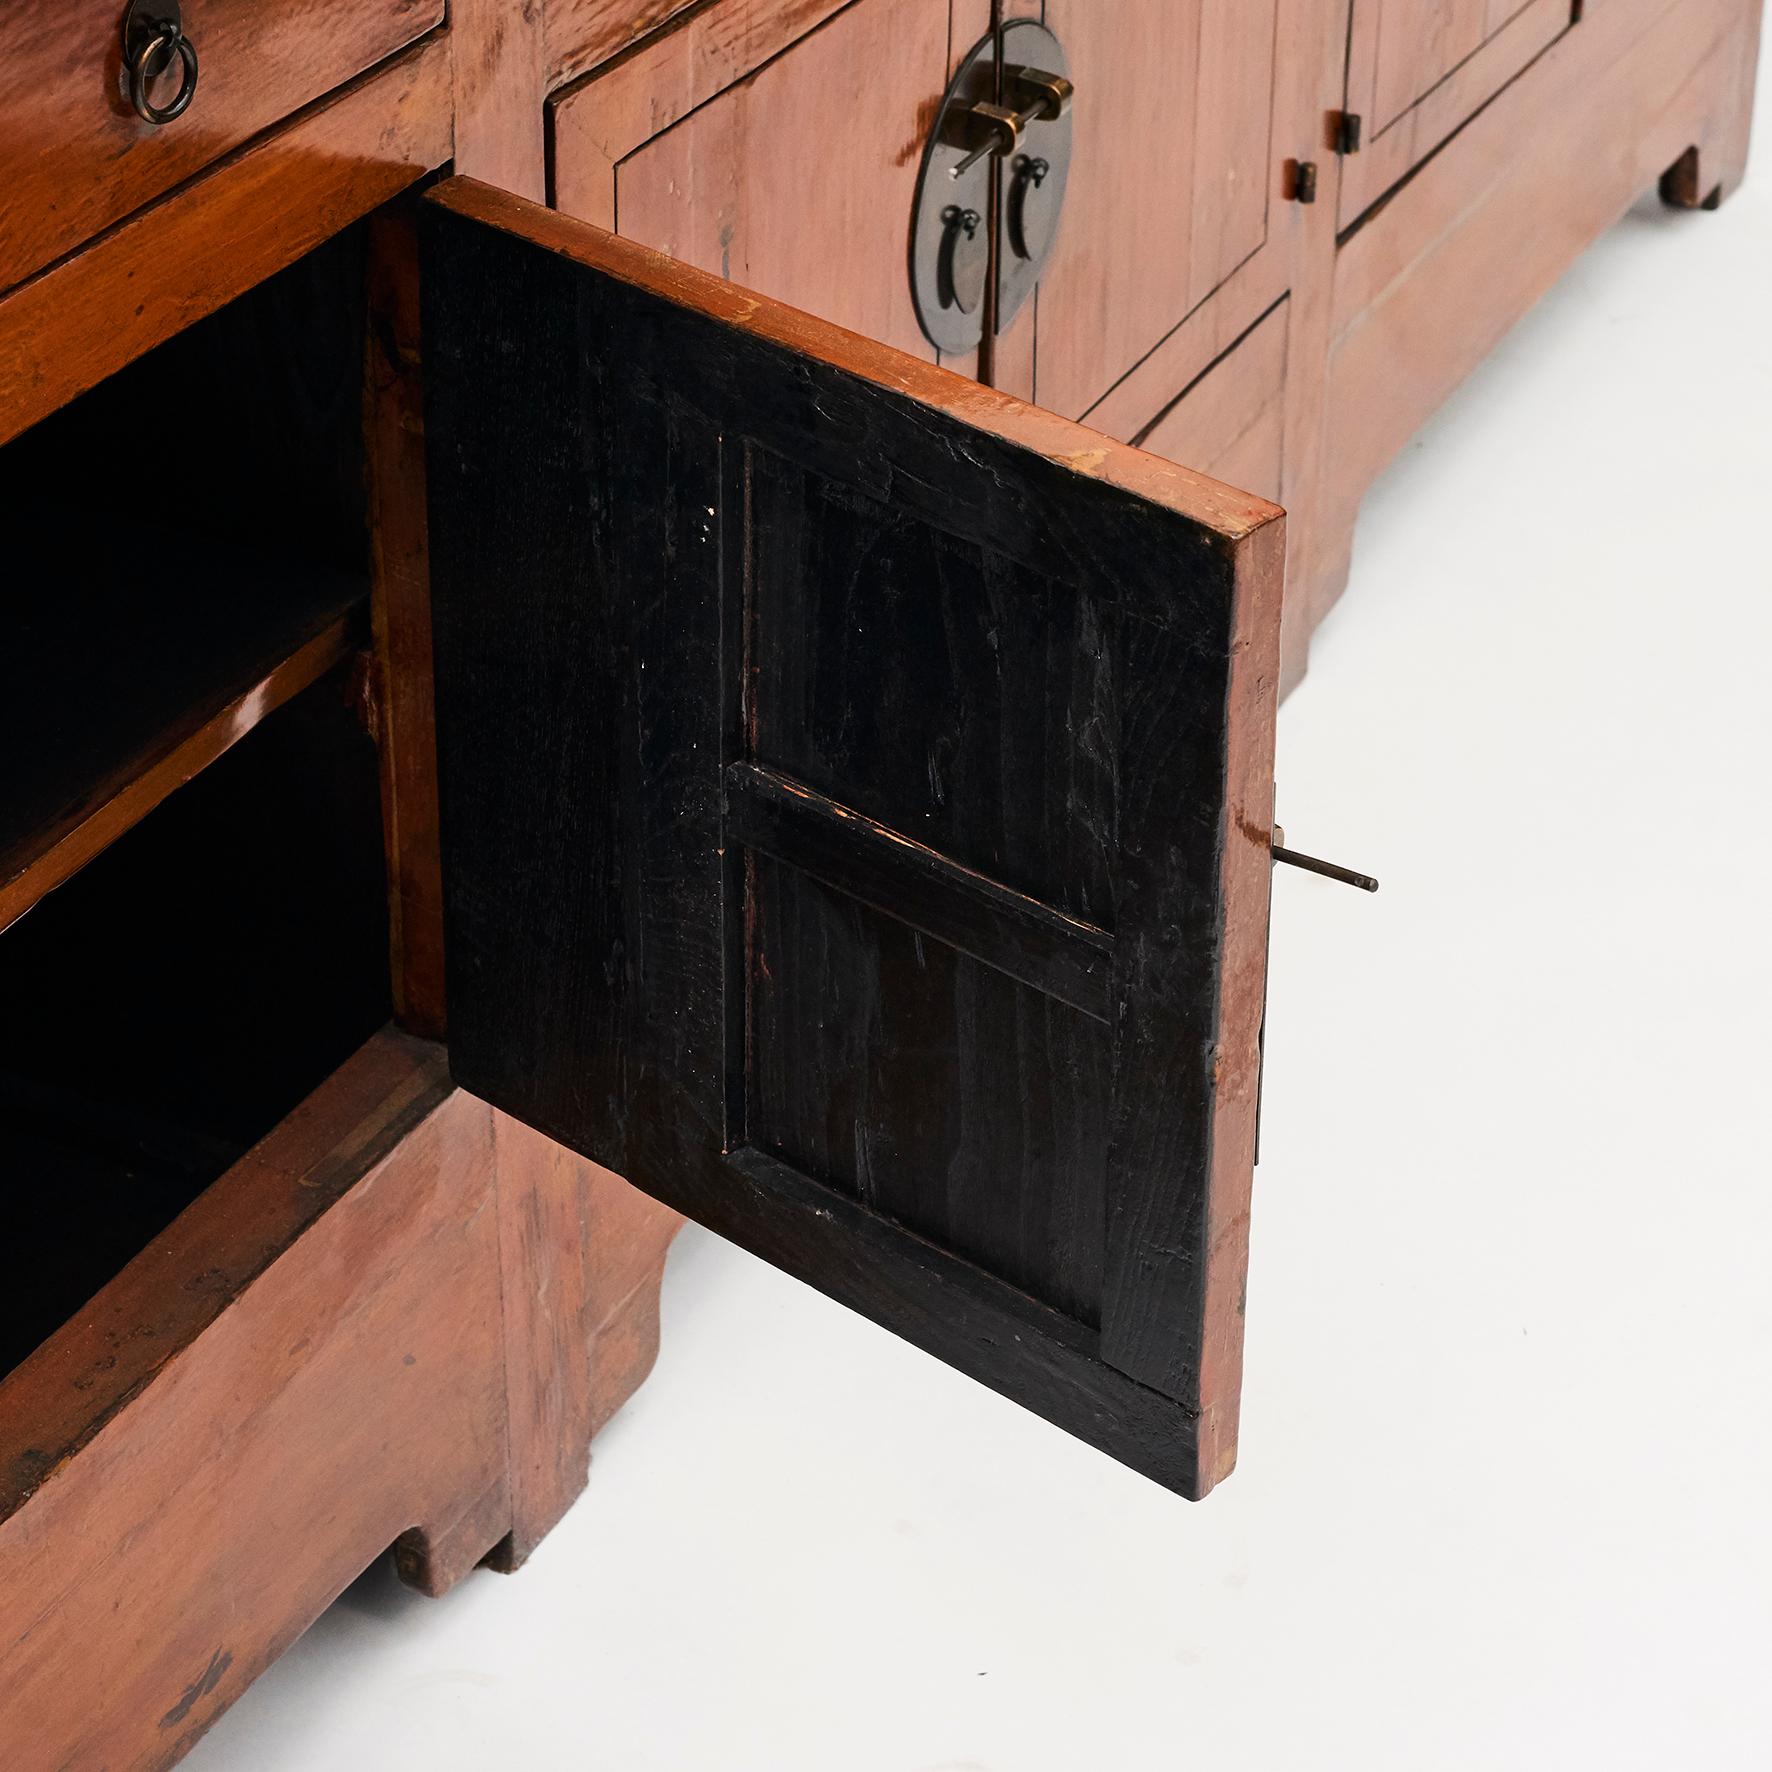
130 663
176 998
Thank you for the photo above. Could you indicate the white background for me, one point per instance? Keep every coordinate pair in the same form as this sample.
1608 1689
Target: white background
1505 1498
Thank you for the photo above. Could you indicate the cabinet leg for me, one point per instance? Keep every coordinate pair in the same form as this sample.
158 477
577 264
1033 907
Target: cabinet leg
583 1254
1687 184
433 1561
1316 575
1709 171
624 1347
1298 619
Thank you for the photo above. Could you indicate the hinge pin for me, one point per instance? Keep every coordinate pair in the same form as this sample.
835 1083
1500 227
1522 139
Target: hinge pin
1311 865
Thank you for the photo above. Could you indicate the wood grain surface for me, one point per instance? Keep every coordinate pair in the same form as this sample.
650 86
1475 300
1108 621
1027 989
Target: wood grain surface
594 124
501 89
778 147
70 327
308 1364
74 156
1418 69
1231 421
1460 251
1172 178
400 607
582 33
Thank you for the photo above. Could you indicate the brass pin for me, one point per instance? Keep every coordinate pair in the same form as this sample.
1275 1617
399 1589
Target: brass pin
1311 865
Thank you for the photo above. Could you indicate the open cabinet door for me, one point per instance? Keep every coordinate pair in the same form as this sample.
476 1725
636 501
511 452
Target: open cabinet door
856 797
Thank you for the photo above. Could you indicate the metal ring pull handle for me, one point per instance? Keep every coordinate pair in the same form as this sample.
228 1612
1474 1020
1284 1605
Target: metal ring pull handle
153 34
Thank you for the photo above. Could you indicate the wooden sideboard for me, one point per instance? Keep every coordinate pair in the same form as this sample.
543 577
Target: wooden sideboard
513 633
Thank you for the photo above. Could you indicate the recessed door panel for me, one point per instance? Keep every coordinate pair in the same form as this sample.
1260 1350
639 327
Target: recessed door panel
775 146
1173 172
1418 69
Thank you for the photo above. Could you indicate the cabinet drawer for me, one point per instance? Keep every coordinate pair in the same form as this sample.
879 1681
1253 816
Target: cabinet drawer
75 157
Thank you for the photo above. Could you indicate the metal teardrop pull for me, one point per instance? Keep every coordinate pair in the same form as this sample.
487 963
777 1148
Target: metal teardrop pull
965 259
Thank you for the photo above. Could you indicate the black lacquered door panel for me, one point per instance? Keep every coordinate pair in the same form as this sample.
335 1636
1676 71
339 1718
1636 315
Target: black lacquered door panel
856 806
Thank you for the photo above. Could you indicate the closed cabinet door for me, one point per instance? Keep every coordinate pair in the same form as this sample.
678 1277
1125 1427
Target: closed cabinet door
774 145
1171 217
1417 69
789 149
857 801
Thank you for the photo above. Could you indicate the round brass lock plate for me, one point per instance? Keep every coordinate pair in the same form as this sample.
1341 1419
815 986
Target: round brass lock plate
1002 132
950 254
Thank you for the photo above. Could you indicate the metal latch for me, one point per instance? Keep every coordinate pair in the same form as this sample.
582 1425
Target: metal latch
1043 98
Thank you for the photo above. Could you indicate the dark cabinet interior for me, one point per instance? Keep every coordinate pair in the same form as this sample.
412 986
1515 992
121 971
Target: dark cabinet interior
173 1002
181 534
176 536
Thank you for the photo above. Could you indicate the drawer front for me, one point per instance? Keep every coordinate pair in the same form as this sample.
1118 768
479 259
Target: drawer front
75 157
856 796
1418 69
1231 421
